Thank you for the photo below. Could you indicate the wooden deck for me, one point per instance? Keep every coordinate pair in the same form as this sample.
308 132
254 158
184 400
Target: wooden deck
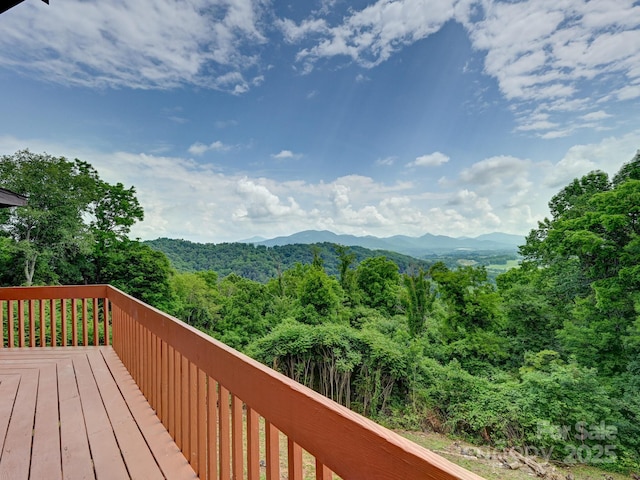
76 413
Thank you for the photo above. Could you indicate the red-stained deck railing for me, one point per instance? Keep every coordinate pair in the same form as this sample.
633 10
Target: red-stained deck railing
225 411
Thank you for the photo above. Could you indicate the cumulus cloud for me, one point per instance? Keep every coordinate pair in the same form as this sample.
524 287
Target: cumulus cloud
200 148
564 55
371 35
259 204
285 155
294 32
185 198
431 160
599 115
605 155
495 172
142 44
544 50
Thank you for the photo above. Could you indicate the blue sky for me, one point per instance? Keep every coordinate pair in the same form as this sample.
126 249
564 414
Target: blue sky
239 118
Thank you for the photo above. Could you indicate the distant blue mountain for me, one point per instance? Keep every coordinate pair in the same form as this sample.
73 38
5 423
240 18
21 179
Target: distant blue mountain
427 244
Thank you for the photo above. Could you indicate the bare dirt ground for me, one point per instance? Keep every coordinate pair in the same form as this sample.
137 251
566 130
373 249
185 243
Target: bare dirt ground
493 464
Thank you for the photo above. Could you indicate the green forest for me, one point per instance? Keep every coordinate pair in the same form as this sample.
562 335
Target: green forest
546 356
261 263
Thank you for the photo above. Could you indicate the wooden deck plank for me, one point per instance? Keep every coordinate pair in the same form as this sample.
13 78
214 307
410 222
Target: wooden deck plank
138 459
14 463
95 434
173 464
76 456
46 433
107 459
9 384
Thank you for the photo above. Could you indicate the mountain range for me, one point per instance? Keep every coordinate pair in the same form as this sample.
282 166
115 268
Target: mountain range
427 244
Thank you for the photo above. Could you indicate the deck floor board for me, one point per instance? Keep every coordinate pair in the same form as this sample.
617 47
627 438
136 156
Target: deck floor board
76 413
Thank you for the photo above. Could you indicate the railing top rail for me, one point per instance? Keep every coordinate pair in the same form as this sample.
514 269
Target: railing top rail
349 444
53 292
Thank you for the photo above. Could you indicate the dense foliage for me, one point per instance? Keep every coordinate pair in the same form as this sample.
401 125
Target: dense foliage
546 358
260 263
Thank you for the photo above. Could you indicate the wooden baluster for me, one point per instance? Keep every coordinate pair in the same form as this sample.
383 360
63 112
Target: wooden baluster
322 471
272 440
225 431
202 424
10 326
52 321
158 377
178 398
253 444
193 416
96 328
171 396
237 444
74 322
212 429
184 388
148 366
32 323
20 323
85 323
164 384
294 460
2 302
43 324
105 327
63 322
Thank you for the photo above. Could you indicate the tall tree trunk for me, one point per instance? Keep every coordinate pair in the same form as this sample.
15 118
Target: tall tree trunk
29 268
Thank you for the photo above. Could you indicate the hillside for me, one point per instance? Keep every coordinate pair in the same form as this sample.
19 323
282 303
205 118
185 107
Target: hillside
260 263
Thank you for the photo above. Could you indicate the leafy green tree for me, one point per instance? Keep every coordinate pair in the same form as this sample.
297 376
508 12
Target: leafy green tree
319 296
473 316
71 219
197 300
243 312
59 193
420 298
345 273
115 210
597 238
141 272
531 314
379 281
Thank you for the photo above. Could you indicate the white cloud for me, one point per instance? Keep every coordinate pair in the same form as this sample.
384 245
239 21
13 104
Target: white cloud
545 50
628 92
200 148
594 116
563 54
184 198
371 35
537 125
495 172
387 161
286 154
607 155
434 159
293 32
261 205
141 44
